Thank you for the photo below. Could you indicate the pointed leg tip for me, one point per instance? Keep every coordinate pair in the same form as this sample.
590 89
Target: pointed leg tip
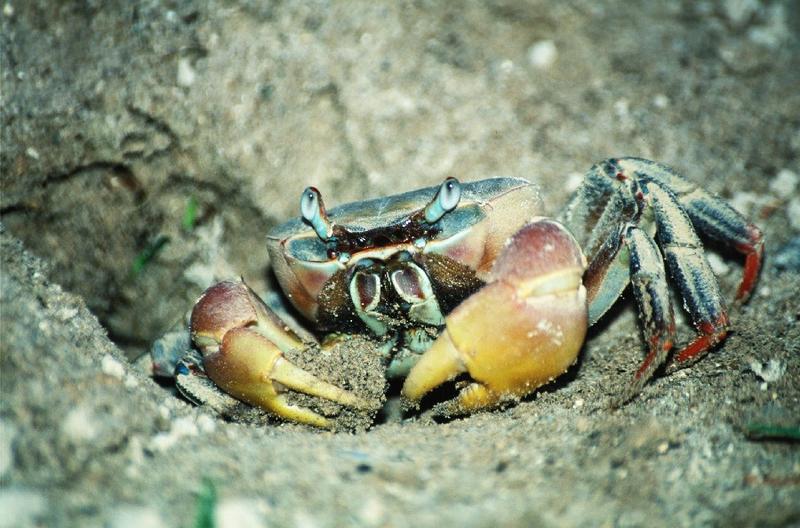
752 266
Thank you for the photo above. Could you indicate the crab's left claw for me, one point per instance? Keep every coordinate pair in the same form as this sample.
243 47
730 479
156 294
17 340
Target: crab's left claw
243 341
520 331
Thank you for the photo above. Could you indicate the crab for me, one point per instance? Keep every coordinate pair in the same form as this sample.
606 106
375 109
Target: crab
470 280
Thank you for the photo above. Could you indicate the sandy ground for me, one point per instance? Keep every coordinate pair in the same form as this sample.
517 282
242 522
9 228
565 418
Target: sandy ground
118 118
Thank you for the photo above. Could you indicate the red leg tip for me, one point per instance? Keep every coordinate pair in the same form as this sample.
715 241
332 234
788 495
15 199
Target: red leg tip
754 251
658 351
711 334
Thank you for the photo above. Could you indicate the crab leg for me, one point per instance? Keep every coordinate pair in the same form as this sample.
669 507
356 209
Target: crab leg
598 210
689 268
605 198
650 287
722 222
520 331
636 191
634 258
597 215
243 341
607 276
711 216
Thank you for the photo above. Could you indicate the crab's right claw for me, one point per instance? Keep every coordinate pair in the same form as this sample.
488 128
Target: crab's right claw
243 341
520 331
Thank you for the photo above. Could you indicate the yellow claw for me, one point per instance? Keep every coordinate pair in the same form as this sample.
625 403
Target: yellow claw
518 332
249 367
242 343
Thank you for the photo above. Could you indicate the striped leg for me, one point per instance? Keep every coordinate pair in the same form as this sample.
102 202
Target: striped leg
650 288
713 217
689 268
636 260
632 216
720 221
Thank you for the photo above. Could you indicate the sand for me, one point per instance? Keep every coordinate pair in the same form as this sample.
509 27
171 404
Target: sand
117 119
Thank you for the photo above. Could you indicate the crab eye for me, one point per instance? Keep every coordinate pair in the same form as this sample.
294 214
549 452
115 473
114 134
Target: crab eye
313 211
449 194
309 203
446 199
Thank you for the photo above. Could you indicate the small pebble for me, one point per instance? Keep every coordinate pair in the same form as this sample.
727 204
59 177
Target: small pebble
8 431
80 425
305 520
788 257
542 54
164 412
739 12
136 517
661 101
112 367
793 212
744 201
240 513
67 313
21 507
784 183
718 266
181 428
372 512
206 424
32 153
774 31
186 73
770 372
573 181
185 426
622 108
136 455
507 66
